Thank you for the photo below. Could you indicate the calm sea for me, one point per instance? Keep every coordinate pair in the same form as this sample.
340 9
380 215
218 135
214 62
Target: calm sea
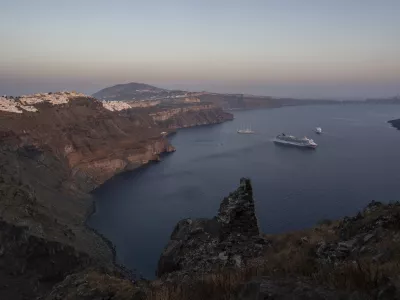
357 160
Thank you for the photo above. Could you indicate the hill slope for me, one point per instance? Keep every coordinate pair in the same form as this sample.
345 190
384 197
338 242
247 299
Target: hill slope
138 92
133 91
54 148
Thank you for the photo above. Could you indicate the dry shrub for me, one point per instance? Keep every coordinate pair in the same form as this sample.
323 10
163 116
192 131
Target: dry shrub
219 285
362 275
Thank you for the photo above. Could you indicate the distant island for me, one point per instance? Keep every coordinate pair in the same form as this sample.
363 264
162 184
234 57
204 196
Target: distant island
140 92
391 100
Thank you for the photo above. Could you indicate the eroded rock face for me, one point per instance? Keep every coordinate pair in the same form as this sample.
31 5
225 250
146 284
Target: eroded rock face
54 148
237 213
29 264
193 115
227 240
361 235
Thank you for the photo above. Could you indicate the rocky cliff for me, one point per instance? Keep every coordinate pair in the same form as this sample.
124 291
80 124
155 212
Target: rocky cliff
228 240
54 149
94 142
180 116
241 101
228 258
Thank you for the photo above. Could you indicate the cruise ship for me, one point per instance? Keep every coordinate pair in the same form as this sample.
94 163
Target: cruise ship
294 141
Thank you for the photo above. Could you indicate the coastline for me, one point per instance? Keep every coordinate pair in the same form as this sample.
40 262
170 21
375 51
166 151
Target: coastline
64 151
126 272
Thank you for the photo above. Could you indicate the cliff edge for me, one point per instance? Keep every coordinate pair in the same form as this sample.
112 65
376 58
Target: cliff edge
54 149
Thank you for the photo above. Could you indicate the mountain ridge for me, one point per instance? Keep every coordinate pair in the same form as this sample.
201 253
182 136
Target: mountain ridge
129 91
228 101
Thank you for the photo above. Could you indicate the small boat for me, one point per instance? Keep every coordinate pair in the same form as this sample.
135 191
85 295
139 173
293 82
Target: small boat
245 131
290 140
318 130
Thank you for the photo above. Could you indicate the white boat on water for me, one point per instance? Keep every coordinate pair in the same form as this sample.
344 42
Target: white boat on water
245 131
290 140
318 130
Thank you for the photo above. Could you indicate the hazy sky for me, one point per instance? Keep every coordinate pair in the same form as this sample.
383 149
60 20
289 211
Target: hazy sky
304 48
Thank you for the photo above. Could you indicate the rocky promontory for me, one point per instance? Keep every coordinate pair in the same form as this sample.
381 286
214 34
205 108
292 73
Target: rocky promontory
395 123
228 240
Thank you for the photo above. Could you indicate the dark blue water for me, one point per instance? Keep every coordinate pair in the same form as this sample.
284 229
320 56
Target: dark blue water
357 161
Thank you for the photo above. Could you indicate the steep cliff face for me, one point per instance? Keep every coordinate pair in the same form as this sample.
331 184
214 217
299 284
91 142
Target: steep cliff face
54 148
50 157
190 115
241 101
92 141
30 264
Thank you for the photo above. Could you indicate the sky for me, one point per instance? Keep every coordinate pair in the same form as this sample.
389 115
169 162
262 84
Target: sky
296 48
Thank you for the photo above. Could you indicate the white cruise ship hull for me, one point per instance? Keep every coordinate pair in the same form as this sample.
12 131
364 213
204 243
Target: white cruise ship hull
300 145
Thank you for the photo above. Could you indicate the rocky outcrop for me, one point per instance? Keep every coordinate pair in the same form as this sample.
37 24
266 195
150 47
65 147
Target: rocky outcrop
228 240
363 235
395 123
237 213
190 115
